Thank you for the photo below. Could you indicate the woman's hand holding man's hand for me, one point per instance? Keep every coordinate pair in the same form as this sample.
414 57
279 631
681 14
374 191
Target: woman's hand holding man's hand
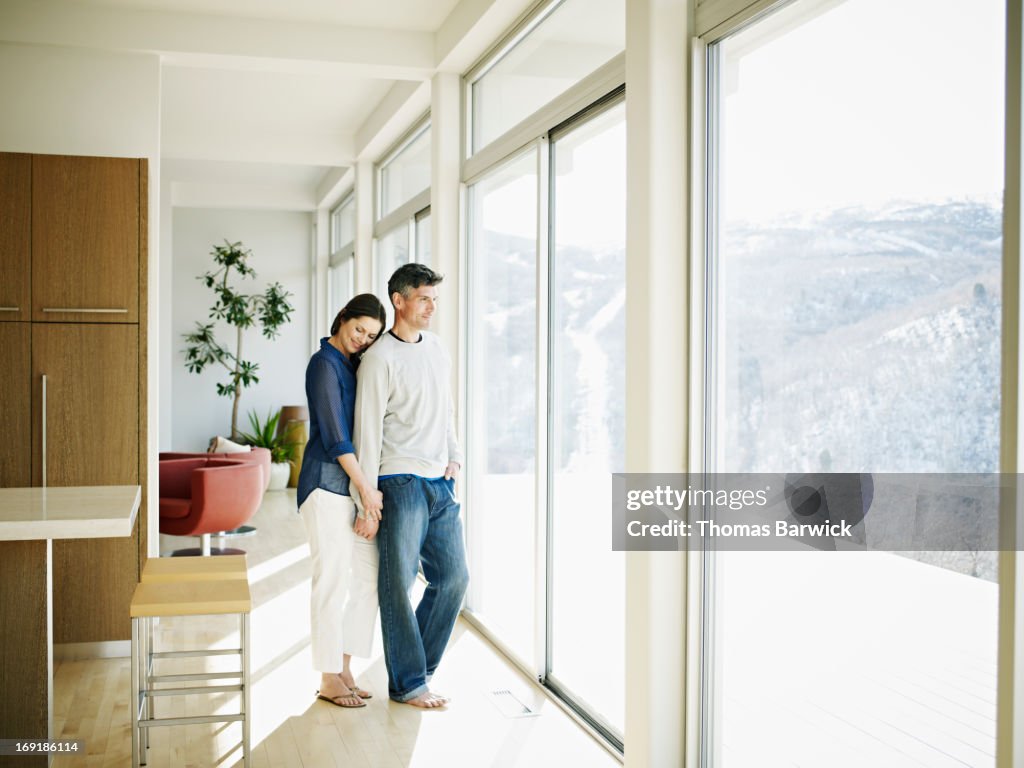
373 504
366 527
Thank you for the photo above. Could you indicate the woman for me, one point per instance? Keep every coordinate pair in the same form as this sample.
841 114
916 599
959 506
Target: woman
343 605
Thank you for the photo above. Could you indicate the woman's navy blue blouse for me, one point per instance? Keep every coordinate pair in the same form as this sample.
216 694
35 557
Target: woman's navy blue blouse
331 395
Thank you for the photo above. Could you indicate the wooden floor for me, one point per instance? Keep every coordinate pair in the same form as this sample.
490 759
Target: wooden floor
290 727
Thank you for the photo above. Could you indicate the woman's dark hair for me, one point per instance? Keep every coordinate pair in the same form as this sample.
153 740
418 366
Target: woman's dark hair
363 305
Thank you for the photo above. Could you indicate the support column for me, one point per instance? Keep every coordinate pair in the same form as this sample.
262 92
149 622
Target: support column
658 34
445 135
1010 685
323 313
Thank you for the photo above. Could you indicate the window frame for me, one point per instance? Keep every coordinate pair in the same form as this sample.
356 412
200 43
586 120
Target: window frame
564 115
385 221
340 250
715 20
577 98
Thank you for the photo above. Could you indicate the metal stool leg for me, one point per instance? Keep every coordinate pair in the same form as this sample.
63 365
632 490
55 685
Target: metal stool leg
246 689
147 670
180 599
135 693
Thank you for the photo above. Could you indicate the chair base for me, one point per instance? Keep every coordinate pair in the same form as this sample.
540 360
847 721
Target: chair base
242 530
197 552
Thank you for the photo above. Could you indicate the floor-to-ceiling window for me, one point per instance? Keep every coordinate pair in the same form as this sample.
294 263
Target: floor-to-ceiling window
587 409
342 259
545 332
503 416
402 228
853 325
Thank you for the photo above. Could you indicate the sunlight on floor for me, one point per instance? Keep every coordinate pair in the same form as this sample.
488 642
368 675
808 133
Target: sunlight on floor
290 726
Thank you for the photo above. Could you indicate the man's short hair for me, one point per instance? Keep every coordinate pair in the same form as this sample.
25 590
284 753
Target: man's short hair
408 277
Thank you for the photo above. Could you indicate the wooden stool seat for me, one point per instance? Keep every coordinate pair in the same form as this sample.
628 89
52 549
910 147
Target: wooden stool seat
201 586
191 598
167 569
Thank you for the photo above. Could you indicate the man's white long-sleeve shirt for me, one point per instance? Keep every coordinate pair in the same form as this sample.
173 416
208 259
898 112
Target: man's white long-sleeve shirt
405 420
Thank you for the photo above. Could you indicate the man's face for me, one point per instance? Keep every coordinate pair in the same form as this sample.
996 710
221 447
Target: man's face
418 307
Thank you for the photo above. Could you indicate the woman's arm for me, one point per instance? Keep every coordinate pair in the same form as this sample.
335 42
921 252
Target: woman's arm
373 500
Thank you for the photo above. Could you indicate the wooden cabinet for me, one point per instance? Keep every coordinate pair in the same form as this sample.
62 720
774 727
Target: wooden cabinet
73 237
15 405
86 231
15 236
92 402
92 391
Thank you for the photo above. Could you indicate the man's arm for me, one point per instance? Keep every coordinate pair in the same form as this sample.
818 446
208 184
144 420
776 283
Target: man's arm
455 457
368 433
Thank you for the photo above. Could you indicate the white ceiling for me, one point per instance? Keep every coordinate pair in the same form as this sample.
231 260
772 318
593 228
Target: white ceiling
265 95
268 130
421 15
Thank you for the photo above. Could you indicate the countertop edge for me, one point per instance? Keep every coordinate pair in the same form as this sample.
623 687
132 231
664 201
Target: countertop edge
86 528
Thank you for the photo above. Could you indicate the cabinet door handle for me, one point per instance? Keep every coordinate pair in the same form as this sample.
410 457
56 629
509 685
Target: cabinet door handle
10 309
44 430
89 310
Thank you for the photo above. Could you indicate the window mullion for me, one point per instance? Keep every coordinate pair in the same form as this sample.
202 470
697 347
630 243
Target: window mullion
542 602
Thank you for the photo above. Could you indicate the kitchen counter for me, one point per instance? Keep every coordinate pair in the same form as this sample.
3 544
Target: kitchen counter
30 519
68 513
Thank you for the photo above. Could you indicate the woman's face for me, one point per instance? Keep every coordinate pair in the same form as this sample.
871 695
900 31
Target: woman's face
357 333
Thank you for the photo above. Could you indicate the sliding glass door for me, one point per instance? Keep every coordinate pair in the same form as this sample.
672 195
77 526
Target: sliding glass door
586 605
502 524
547 338
854 326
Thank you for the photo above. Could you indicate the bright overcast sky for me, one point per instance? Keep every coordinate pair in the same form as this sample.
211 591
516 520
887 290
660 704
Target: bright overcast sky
868 102
872 101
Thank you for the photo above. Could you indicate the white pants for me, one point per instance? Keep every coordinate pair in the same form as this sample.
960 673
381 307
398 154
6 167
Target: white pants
343 604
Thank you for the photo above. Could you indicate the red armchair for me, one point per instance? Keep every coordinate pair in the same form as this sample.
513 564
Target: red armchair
259 456
204 495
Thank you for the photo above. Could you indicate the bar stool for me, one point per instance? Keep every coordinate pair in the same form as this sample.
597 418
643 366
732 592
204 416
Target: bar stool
178 569
172 590
161 570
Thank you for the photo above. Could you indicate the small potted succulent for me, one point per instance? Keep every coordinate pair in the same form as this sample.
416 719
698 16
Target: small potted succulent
281 447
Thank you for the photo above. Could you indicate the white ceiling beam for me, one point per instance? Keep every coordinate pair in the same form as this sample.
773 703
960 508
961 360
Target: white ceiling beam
189 39
471 28
468 31
247 196
404 104
258 147
334 184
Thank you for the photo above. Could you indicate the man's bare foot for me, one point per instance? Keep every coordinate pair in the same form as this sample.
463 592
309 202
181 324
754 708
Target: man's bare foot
350 682
428 700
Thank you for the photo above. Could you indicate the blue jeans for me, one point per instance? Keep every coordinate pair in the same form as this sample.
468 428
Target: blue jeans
420 525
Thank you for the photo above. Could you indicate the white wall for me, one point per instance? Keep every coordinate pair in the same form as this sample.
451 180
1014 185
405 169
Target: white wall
79 102
162 346
74 101
280 244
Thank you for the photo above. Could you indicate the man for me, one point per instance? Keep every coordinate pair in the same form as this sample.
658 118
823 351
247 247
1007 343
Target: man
405 442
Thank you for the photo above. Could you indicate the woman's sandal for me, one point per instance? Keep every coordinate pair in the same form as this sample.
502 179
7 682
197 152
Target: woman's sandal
338 700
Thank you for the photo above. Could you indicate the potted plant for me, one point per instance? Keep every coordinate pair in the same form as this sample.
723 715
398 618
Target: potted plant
269 309
281 447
